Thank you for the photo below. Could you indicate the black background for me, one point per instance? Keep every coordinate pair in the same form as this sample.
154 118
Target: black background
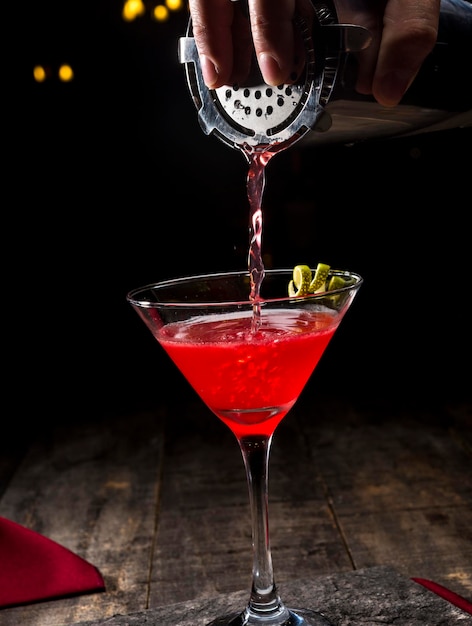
120 187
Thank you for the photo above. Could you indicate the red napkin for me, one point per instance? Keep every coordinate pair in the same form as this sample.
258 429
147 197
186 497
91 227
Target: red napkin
35 568
447 594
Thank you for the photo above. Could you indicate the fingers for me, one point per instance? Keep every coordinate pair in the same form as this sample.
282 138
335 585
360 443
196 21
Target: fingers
225 37
218 28
274 39
410 29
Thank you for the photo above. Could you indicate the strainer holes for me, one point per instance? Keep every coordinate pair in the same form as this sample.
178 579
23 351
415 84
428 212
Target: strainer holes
269 110
269 92
280 101
246 93
288 91
258 112
228 94
257 95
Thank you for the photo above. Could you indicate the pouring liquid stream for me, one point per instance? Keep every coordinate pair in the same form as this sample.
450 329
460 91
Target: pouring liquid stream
255 188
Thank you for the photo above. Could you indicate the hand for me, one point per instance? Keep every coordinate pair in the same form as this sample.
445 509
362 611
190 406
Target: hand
404 33
403 36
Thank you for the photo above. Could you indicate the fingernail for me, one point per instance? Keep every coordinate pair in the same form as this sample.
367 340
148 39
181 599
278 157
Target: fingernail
393 87
270 69
209 71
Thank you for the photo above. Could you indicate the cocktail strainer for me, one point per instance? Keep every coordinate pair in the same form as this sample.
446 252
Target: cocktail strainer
255 116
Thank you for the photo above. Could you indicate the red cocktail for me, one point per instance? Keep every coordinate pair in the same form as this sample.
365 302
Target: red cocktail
249 358
249 379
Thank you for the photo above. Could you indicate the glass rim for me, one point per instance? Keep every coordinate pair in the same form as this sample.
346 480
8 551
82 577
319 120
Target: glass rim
133 295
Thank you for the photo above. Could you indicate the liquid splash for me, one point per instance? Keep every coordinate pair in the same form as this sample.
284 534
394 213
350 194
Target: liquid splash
255 188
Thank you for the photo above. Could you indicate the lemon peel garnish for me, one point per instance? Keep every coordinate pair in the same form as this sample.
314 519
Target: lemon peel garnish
305 281
336 282
319 280
299 285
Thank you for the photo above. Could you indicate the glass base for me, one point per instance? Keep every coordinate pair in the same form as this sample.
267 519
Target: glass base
297 617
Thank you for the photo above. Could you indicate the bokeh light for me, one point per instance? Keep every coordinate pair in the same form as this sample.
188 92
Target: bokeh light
65 73
133 9
174 5
39 74
161 13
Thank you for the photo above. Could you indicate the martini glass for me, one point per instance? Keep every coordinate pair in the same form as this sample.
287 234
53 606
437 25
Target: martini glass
248 360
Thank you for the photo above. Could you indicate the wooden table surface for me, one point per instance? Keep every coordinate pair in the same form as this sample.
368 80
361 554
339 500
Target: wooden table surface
157 499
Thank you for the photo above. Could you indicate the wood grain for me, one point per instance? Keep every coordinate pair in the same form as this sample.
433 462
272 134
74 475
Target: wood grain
158 500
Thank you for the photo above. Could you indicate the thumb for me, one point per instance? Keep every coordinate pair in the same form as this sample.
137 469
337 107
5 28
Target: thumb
409 34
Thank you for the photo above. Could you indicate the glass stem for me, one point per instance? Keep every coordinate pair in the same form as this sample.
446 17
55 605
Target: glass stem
265 602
